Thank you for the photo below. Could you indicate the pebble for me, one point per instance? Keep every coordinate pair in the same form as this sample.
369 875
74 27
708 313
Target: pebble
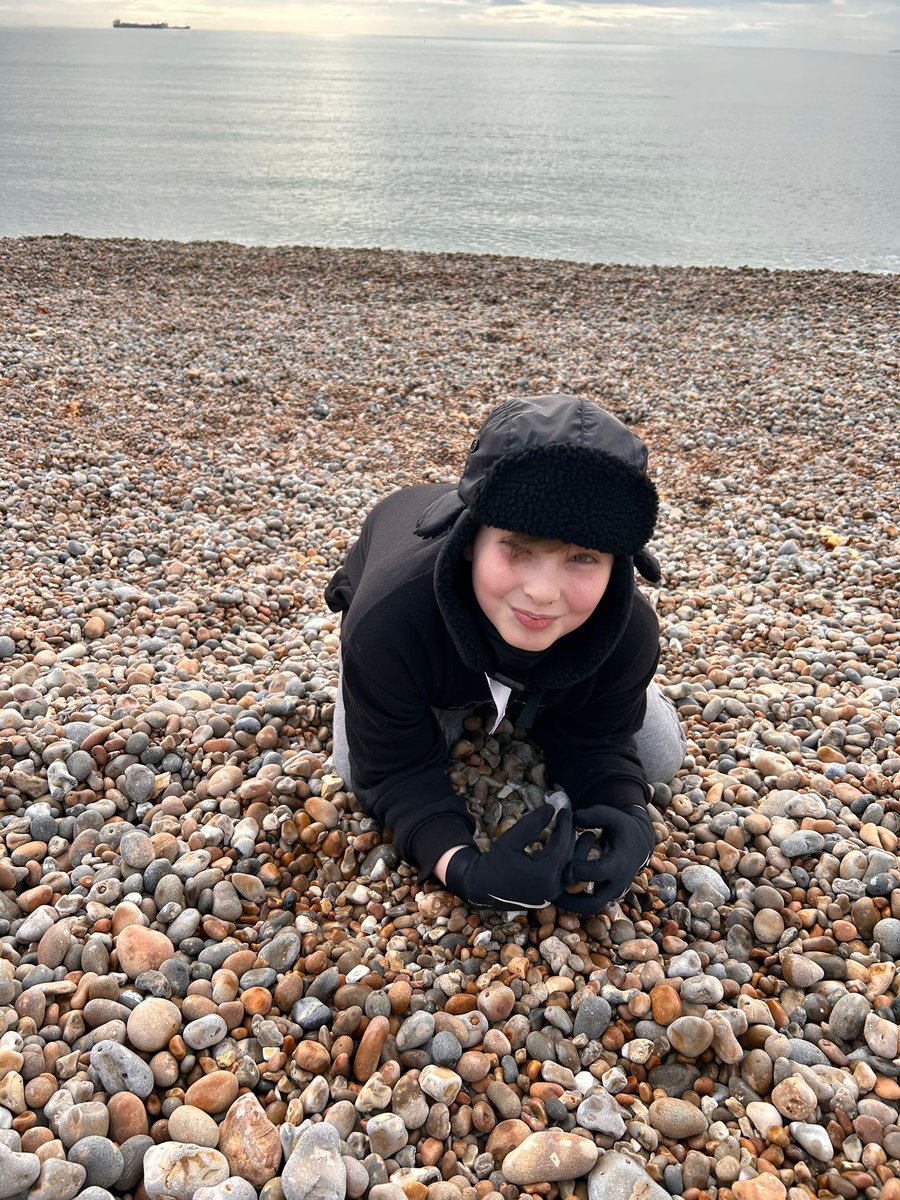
600 1113
801 972
153 1023
549 1155
848 1017
592 1017
690 1035
250 1141
121 1070
795 1099
315 1168
887 933
386 1133
881 1036
695 877
234 1188
813 1139
193 1126
17 1171
59 1180
140 949
762 1187
101 1158
677 1118
440 1083
618 1177
176 1170
192 907
214 1093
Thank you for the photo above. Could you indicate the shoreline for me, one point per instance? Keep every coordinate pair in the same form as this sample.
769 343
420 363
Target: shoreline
191 907
288 248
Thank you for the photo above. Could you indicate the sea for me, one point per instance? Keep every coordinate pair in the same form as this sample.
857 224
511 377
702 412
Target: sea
689 155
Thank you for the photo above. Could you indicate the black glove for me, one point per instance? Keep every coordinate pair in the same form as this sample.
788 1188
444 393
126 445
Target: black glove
505 876
626 843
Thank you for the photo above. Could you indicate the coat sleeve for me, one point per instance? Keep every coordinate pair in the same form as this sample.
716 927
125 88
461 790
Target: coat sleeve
397 751
590 749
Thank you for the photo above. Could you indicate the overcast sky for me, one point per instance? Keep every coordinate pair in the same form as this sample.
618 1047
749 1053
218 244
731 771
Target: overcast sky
862 25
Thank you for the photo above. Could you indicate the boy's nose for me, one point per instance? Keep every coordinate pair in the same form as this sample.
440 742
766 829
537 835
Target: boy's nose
542 586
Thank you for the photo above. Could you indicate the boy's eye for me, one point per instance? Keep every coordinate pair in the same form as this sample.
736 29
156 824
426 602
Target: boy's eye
584 557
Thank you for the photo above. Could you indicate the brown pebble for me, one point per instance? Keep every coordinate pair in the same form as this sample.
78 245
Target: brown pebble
843 931
505 1137
127 1116
365 1064
399 993
214 1093
460 1005
256 1000
312 1056
474 1065
665 1003
140 949
33 1139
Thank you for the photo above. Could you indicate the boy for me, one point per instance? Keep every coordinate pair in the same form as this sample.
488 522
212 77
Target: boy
517 586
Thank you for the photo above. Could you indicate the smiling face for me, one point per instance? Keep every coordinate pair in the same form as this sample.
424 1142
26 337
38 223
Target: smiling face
535 591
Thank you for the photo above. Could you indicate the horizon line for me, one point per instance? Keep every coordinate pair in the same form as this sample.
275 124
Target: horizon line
459 37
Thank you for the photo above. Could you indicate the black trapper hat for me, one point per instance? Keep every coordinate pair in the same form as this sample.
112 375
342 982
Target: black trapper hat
556 467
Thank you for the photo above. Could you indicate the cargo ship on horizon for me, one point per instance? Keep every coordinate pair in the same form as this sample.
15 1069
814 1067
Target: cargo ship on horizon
154 25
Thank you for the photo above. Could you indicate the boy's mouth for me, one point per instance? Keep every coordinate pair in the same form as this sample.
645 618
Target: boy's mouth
532 620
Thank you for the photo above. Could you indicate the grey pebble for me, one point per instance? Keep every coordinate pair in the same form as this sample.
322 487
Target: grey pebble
204 1032
619 1177
696 876
415 1031
133 1151
848 1016
887 933
310 1014
446 1049
101 1158
802 843
138 782
121 1070
592 1017
315 1167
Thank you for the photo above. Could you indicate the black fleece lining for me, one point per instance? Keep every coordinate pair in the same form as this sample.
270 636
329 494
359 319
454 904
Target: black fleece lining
572 493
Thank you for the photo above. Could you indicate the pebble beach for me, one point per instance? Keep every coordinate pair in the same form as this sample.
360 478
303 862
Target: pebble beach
217 979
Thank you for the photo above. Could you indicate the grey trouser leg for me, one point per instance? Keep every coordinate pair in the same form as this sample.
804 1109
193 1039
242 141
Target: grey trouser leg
340 755
660 741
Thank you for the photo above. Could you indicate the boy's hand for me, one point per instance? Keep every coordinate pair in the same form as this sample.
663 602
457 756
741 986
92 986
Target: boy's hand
505 876
626 845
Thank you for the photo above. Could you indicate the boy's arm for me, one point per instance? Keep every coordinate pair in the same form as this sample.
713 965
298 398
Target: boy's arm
399 757
590 752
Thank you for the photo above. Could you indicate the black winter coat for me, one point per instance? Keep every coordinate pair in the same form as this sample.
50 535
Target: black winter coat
412 640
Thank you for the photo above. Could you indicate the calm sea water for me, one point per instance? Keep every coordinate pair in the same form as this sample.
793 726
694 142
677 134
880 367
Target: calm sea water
605 153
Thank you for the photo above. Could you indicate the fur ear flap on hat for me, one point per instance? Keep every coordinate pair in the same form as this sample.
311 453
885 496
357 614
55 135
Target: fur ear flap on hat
647 565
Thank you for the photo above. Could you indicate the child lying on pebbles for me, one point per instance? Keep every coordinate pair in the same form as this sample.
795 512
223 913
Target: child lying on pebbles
517 587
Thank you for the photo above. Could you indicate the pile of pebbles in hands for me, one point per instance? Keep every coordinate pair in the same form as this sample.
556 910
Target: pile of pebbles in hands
216 977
